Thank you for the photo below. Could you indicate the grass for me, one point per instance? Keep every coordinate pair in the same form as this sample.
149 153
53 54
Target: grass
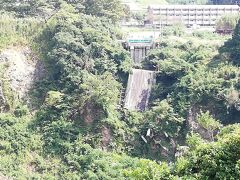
17 31
7 92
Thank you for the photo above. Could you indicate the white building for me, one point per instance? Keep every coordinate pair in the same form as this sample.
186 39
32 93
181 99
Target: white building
189 15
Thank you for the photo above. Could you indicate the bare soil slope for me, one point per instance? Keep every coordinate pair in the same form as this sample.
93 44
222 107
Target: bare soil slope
23 69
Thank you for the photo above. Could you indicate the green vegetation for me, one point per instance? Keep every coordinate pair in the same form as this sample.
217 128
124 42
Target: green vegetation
214 160
17 30
227 22
193 74
47 8
231 47
74 127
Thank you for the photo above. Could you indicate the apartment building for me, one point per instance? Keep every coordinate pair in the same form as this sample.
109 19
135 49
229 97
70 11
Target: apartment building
189 15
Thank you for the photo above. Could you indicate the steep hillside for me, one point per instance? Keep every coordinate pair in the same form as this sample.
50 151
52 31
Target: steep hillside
62 72
20 70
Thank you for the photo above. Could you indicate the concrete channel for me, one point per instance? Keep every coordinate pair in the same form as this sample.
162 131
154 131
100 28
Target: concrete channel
138 91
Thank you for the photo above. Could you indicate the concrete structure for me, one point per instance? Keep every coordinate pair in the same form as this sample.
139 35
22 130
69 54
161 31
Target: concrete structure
139 87
140 81
138 53
189 15
139 44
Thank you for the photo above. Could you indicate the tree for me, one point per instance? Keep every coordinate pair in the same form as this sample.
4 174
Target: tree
207 122
232 46
22 8
227 23
111 9
216 160
222 2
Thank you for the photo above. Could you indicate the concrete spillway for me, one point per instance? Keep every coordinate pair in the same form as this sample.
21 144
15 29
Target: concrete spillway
139 87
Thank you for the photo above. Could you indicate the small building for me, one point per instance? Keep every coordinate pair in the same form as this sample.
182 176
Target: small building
189 15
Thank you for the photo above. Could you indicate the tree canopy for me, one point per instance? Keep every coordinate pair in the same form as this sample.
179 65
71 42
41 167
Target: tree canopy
73 125
231 47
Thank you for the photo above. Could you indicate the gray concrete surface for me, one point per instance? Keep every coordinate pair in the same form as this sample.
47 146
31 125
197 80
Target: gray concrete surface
138 54
139 87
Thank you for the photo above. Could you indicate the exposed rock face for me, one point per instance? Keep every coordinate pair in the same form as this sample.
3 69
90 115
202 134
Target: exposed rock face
88 114
194 126
106 137
2 177
22 70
